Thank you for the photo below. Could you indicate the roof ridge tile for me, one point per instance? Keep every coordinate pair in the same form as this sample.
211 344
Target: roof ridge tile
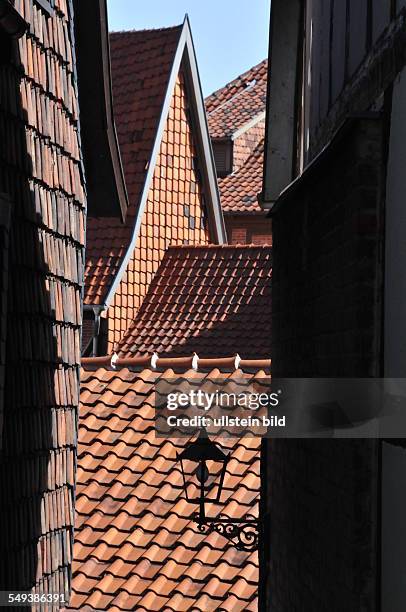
183 363
117 33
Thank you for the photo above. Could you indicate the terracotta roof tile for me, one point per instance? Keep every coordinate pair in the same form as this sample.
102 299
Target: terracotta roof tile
103 255
141 62
41 255
239 190
137 547
208 300
238 102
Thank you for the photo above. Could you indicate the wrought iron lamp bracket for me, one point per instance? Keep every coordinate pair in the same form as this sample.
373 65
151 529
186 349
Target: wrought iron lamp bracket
244 533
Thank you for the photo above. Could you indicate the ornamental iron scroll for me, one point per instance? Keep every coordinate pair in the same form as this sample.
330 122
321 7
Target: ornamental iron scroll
243 534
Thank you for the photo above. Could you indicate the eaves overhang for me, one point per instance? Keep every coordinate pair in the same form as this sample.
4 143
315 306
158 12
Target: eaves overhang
106 187
11 22
312 170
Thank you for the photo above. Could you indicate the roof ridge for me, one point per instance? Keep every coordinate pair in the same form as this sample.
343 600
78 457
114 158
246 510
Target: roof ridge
186 363
231 100
244 246
143 30
235 79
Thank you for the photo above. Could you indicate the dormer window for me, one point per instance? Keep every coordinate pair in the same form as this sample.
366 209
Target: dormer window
223 156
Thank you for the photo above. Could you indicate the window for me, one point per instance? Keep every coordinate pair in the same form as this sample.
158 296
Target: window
223 157
47 5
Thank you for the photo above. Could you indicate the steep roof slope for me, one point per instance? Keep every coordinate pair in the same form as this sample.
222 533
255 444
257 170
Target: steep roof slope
146 66
141 66
137 547
238 102
208 300
141 63
239 190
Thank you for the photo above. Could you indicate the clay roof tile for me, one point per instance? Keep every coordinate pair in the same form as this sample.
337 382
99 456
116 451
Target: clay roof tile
236 319
238 102
148 554
239 190
141 63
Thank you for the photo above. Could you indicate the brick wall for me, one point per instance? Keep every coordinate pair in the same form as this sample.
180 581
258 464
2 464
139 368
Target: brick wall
238 235
40 171
175 214
248 229
322 494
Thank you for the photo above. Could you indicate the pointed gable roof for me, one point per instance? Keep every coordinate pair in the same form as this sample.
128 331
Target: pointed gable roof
238 103
145 65
141 64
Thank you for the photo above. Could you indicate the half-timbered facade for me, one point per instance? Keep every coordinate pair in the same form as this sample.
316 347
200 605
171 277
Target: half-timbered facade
334 183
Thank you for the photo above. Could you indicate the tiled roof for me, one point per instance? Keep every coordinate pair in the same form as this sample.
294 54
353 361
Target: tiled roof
42 261
107 240
238 102
136 545
208 300
239 190
141 63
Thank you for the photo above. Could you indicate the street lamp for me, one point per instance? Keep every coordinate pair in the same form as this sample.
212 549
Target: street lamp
244 533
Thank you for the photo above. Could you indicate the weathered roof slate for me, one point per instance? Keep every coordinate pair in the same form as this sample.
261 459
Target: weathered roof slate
41 289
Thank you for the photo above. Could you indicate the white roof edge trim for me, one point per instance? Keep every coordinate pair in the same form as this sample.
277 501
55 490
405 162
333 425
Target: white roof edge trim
249 125
205 139
185 41
151 166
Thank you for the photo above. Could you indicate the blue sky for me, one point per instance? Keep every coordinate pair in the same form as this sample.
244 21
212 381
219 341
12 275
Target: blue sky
230 36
